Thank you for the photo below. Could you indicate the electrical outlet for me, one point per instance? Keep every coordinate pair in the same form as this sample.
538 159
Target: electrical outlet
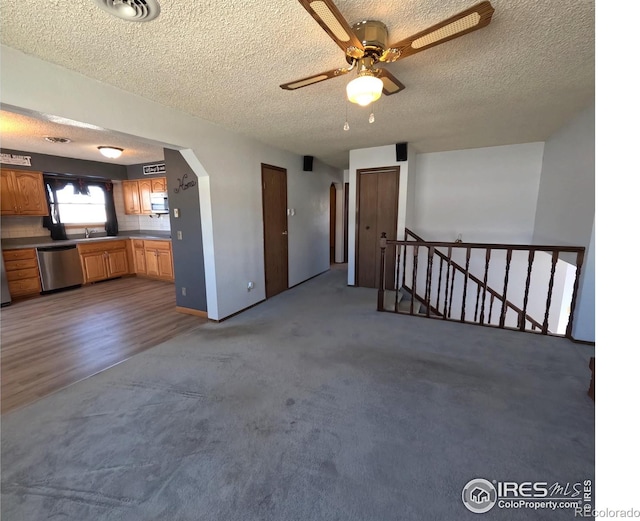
176 213
250 286
184 292
179 235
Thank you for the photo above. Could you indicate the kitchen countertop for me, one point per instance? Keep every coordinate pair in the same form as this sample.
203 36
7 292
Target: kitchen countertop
39 242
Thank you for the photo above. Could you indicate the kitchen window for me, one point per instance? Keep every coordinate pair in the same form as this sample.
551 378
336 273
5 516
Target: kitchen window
78 202
78 208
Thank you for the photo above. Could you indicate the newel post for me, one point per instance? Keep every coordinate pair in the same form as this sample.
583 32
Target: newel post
383 249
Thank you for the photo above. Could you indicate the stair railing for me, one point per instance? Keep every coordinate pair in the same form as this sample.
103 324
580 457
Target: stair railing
440 290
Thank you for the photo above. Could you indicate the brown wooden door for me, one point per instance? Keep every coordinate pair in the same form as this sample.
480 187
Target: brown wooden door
377 212
332 224
346 222
276 240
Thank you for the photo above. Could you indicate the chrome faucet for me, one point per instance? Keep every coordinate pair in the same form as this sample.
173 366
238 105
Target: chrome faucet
87 233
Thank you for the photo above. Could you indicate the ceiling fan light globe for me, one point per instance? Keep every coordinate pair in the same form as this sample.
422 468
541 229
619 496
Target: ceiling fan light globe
364 90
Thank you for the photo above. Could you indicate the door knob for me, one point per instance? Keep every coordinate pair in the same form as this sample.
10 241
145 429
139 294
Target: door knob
285 232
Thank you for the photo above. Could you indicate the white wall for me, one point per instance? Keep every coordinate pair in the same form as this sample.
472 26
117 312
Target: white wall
566 203
410 217
373 158
566 206
584 322
485 194
231 162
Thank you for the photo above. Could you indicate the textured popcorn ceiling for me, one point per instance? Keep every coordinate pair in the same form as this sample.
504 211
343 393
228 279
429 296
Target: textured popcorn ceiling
517 80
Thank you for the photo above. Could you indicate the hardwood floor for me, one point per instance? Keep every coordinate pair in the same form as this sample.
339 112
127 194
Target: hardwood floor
52 341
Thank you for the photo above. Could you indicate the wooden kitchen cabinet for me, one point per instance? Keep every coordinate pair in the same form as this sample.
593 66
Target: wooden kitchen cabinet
137 194
139 262
94 266
144 189
103 260
158 185
158 259
23 275
22 193
131 197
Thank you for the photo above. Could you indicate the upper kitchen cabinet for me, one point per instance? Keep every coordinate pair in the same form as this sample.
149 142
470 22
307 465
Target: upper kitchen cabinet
131 196
137 194
22 193
144 188
159 185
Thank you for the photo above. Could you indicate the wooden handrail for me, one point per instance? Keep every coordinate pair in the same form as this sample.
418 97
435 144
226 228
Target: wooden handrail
475 279
488 245
482 286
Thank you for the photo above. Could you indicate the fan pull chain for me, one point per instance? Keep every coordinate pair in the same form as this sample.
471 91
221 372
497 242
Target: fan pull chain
346 117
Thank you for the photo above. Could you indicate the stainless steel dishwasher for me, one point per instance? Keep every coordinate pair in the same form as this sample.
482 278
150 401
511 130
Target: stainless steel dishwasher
59 267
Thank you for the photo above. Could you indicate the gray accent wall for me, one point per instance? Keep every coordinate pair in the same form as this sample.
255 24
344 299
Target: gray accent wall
67 165
188 256
136 172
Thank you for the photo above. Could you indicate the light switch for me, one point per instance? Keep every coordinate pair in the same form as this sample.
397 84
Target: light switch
176 212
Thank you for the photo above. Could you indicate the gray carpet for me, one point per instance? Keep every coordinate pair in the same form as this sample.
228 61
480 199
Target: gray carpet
311 406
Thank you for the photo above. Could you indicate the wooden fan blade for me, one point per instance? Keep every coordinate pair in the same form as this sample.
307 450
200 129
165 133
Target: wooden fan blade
331 20
465 22
390 84
316 78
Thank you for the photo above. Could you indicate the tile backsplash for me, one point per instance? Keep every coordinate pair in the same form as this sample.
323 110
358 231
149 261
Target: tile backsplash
16 226
12 227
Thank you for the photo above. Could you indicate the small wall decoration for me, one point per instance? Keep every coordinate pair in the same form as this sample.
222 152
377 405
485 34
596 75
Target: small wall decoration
158 168
184 183
15 159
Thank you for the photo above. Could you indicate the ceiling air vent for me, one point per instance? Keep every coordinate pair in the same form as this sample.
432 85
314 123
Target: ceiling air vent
132 10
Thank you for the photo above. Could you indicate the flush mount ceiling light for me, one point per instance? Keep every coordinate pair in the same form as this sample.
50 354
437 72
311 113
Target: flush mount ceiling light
110 152
52 139
132 10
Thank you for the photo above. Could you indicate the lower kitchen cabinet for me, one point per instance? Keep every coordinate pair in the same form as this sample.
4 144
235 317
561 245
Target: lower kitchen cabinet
139 262
23 276
158 259
103 260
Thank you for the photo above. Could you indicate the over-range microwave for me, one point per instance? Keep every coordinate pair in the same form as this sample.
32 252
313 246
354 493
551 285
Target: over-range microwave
159 203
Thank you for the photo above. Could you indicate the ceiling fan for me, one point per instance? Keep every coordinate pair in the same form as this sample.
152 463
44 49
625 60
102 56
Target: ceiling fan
365 45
